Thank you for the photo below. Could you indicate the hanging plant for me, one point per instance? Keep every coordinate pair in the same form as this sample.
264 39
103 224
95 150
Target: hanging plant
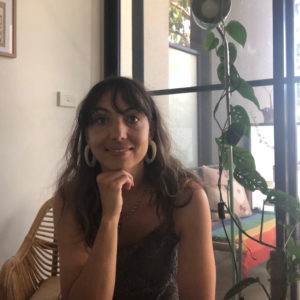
243 162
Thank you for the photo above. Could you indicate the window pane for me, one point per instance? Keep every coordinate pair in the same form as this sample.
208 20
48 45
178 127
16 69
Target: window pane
159 59
189 119
180 115
297 37
195 110
255 61
184 71
180 22
262 149
264 114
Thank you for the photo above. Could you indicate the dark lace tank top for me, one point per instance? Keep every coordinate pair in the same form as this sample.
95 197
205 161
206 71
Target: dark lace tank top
146 270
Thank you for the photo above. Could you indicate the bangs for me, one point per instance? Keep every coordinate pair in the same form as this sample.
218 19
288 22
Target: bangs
133 98
130 91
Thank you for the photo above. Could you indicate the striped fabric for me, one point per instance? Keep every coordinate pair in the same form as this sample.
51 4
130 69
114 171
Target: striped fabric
253 252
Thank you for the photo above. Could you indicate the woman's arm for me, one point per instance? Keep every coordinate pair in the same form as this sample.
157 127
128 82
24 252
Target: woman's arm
196 265
90 274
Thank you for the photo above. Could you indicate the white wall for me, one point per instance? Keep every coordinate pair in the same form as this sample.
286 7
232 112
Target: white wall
156 51
58 48
156 44
126 38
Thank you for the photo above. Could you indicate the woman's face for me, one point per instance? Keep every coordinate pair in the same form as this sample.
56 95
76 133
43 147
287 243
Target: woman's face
118 141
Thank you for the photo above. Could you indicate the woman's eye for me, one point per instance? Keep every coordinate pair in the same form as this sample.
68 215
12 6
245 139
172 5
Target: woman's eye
100 120
133 119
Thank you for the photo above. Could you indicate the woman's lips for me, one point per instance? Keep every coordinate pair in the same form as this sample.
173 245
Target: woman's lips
119 152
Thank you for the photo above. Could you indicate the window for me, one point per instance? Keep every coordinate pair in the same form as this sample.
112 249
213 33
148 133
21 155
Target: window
181 75
151 52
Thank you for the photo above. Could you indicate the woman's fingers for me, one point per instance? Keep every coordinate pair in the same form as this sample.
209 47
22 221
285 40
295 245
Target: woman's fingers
127 186
116 179
110 185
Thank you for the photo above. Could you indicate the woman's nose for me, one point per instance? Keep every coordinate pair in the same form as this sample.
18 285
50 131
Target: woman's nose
118 130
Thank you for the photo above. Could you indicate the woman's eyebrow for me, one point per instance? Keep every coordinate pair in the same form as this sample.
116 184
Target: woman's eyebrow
129 109
101 109
105 110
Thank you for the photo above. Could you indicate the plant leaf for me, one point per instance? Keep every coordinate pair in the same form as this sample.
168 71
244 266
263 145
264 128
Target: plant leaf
246 90
220 53
236 289
251 180
221 72
234 134
290 246
211 42
242 158
234 75
232 53
239 115
219 142
293 249
285 202
237 31
296 261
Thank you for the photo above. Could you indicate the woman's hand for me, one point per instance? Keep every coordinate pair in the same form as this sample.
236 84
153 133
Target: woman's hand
110 185
90 273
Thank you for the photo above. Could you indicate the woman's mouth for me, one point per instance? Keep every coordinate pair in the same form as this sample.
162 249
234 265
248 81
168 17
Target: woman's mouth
119 151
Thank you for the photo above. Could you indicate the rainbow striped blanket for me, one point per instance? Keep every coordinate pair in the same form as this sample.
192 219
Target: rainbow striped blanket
253 252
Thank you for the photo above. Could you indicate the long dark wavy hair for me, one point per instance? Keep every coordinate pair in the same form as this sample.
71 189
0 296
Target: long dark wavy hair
166 175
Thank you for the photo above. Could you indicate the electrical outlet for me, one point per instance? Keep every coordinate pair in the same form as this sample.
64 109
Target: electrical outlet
66 99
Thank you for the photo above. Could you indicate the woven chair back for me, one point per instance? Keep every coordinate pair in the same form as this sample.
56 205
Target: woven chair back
36 260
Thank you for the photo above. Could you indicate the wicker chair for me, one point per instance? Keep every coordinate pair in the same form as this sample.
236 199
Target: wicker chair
35 262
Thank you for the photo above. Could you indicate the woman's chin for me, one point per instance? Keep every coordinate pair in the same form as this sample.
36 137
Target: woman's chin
115 167
132 169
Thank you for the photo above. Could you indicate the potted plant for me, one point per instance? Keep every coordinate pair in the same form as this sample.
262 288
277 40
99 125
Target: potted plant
284 262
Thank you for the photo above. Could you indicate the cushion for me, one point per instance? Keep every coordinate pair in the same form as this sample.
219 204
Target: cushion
48 290
210 178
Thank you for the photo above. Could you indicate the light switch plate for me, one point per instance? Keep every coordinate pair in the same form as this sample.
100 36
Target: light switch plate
66 99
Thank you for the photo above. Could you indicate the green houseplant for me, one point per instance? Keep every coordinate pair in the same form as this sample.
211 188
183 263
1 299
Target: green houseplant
237 125
285 261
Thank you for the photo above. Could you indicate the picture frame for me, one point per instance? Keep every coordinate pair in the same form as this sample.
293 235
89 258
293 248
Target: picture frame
8 28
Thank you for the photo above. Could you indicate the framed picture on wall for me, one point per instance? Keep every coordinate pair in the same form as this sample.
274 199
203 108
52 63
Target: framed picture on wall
8 28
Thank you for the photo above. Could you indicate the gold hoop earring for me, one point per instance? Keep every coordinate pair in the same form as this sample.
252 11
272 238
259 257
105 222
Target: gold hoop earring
148 159
91 163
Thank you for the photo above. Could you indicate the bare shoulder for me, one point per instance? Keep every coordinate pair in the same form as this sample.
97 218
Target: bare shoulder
66 225
192 224
192 212
72 248
63 209
63 205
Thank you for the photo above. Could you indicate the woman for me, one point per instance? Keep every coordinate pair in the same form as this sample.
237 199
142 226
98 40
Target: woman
131 221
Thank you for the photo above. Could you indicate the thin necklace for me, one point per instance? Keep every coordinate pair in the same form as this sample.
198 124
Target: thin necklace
125 216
